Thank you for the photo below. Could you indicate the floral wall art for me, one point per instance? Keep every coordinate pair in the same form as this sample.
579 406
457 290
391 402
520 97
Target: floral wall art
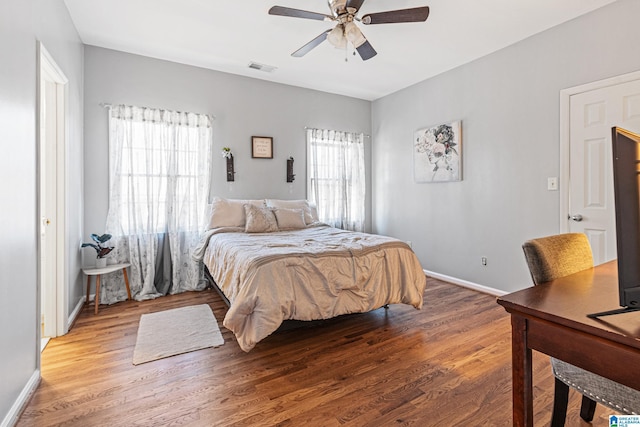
437 153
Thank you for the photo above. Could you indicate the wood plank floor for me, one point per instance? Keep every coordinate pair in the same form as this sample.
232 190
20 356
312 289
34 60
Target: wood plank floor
447 364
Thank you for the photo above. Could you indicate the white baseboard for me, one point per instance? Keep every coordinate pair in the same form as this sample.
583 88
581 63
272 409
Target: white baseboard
466 284
16 409
75 313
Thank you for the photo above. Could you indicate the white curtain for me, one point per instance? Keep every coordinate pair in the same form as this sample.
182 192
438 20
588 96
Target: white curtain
159 170
336 177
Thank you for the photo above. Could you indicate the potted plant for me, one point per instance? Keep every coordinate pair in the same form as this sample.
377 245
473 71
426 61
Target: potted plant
102 250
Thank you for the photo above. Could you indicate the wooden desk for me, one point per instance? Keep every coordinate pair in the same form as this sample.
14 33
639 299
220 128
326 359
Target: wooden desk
551 318
92 271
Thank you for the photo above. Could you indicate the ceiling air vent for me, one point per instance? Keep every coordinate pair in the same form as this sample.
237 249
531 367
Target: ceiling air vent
262 67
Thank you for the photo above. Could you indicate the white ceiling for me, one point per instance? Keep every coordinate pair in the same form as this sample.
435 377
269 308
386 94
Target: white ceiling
228 35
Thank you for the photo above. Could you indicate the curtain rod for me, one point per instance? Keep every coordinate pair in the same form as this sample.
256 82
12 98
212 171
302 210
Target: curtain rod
107 105
365 135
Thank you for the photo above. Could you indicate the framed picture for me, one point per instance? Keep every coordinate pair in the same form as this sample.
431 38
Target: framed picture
437 153
262 147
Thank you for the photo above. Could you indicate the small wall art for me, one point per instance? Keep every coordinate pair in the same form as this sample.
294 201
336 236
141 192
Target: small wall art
262 147
437 153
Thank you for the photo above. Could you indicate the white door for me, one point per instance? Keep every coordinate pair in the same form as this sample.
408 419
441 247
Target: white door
48 207
591 203
53 292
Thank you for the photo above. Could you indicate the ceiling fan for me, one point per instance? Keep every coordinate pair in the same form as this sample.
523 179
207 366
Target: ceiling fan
344 13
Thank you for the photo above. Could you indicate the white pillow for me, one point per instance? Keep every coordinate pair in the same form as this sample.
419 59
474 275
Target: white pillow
309 216
259 220
230 212
290 219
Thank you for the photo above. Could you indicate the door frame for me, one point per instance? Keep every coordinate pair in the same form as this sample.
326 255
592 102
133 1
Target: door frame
46 65
565 135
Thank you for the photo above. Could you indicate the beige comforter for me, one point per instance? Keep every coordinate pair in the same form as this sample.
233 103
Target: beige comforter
315 273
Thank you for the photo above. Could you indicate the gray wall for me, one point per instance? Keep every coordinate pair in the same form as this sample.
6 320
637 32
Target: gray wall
243 107
21 24
509 106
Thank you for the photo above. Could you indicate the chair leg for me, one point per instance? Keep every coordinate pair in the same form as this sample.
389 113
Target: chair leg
587 409
560 402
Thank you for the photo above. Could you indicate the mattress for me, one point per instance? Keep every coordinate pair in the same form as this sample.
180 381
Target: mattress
314 273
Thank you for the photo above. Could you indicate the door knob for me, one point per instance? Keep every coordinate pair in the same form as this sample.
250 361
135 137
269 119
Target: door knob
576 217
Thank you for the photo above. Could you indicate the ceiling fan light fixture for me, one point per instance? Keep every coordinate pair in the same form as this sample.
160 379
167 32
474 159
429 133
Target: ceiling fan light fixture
353 34
344 13
337 38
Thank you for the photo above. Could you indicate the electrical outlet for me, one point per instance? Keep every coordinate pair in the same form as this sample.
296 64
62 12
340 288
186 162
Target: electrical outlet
409 243
484 261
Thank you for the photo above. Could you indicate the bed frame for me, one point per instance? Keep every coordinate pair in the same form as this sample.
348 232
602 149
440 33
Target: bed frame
215 286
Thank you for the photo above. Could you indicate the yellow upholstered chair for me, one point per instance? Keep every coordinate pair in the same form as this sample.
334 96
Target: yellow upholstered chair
550 258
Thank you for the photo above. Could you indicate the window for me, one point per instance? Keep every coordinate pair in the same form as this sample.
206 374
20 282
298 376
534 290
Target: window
336 177
158 169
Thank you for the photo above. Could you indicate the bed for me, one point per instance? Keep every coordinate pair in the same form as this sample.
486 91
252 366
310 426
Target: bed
293 267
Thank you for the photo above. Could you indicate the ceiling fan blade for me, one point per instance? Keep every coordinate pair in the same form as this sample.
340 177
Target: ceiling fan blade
297 13
356 4
353 34
416 14
366 51
313 43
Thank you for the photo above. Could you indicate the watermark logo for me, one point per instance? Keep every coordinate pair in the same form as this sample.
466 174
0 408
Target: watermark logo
624 421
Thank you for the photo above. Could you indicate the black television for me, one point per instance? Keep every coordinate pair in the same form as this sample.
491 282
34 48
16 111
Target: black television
626 190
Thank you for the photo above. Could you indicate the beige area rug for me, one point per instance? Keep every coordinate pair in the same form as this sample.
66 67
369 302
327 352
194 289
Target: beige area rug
176 331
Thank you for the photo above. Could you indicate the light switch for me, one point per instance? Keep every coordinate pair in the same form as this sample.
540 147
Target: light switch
552 183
